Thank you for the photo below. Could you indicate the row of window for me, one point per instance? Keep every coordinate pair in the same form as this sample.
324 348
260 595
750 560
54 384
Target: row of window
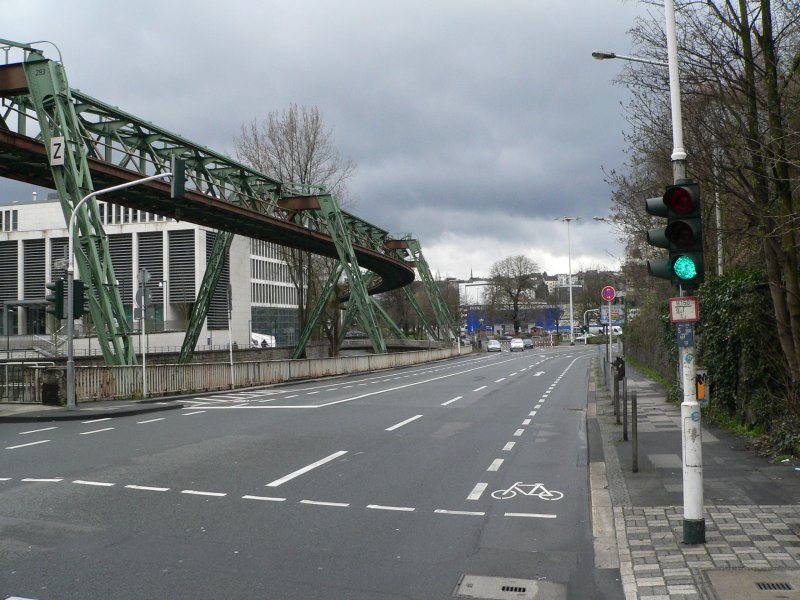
264 293
112 214
269 271
265 249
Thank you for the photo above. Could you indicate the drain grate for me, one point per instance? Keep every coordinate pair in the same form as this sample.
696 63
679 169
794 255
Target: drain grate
752 584
779 586
508 588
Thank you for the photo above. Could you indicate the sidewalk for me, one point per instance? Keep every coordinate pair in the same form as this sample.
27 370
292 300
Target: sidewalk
752 508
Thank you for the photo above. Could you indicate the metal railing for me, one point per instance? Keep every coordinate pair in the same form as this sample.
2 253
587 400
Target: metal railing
112 382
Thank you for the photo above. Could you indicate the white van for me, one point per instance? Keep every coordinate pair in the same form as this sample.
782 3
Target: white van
262 340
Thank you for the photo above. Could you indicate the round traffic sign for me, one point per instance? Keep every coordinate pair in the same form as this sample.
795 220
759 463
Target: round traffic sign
608 293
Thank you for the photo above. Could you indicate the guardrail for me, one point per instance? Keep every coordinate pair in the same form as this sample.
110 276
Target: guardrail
111 382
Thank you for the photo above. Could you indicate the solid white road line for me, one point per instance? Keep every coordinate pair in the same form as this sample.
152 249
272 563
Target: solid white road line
496 463
149 421
477 491
530 515
442 511
318 503
264 498
397 508
28 444
97 483
147 488
451 401
37 430
499 380
401 423
306 469
96 431
96 420
483 387
51 480
197 412
199 493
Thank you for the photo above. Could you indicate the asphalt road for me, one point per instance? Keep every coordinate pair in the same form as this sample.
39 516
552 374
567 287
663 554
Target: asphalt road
422 482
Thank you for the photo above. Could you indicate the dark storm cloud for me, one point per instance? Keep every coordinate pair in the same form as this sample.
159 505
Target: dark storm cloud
491 113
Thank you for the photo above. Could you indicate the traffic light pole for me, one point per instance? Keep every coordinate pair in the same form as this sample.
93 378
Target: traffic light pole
694 525
71 403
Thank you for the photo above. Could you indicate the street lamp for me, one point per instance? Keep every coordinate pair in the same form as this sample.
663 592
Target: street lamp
694 525
569 277
71 278
600 55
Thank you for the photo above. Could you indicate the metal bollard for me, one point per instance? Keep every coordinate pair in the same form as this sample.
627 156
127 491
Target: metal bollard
634 433
624 409
616 395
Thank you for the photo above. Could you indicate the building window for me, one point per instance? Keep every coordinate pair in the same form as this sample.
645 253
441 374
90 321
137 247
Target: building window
10 220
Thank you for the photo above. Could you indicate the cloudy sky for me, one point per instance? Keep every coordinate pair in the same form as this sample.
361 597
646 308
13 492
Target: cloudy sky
474 124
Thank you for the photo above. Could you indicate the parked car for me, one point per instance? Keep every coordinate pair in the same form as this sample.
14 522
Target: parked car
516 344
527 343
493 346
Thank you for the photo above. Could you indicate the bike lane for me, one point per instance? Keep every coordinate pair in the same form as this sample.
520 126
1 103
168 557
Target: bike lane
543 493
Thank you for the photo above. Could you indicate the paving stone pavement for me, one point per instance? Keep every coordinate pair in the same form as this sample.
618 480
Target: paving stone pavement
751 509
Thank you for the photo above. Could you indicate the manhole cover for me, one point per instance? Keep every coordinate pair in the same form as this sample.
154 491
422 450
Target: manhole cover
753 584
506 588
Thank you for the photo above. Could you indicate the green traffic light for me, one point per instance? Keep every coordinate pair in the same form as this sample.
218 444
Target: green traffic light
685 268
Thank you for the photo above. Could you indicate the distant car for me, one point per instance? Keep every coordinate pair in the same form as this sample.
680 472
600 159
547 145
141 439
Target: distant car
527 343
516 344
493 346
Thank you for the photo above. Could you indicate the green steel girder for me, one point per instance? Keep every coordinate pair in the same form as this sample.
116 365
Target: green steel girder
314 318
332 216
216 262
420 313
50 95
443 317
121 147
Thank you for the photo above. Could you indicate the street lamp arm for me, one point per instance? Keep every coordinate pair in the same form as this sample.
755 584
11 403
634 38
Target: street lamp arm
122 186
71 402
599 55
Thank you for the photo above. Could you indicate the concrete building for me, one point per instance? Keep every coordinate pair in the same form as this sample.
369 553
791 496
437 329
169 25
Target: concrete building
33 248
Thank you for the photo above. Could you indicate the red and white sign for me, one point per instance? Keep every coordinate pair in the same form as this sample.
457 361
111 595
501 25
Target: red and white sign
608 293
684 310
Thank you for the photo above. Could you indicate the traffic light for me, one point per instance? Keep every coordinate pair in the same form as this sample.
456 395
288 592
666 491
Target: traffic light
178 187
78 298
683 235
56 298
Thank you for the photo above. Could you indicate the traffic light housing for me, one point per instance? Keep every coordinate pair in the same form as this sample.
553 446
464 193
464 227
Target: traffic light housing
55 298
682 237
178 186
78 298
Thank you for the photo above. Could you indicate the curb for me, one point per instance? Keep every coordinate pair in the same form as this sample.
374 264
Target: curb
78 414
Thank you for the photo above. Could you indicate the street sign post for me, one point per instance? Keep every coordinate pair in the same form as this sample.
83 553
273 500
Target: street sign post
608 293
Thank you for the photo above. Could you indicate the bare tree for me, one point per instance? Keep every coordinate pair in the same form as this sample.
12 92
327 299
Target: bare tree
294 146
740 62
512 282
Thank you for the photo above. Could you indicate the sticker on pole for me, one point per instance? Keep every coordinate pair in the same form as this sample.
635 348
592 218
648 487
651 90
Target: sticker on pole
608 293
684 310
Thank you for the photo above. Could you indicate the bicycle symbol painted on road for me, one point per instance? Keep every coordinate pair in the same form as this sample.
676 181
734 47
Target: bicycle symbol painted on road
528 489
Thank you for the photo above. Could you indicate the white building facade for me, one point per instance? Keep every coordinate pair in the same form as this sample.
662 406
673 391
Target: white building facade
33 247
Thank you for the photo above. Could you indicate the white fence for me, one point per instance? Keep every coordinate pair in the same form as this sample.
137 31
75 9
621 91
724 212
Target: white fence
108 383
